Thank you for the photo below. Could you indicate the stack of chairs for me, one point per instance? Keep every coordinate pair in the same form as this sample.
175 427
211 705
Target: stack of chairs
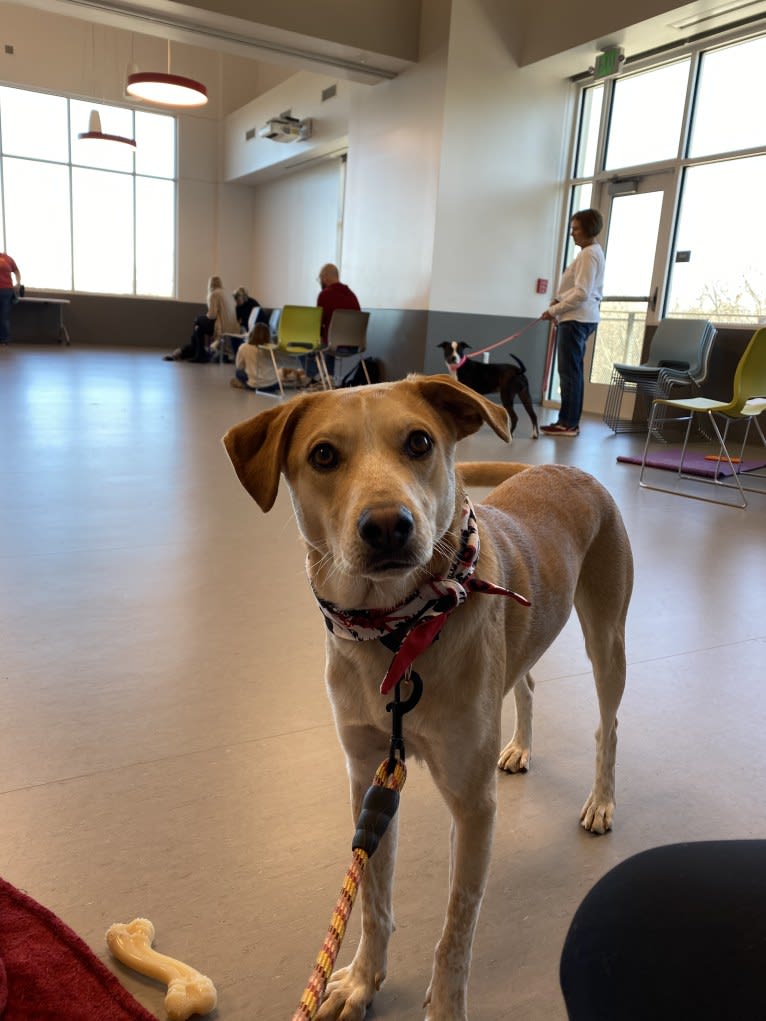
679 356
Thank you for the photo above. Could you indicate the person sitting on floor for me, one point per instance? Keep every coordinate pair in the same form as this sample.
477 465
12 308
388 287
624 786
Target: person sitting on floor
246 365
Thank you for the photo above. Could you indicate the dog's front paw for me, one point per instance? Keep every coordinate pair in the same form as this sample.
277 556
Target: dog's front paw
514 758
348 995
596 816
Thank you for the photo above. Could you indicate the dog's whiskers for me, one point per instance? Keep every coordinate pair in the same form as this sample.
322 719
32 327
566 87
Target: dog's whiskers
327 566
445 547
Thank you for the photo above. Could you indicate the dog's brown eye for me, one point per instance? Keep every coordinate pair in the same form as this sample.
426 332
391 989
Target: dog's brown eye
324 457
419 443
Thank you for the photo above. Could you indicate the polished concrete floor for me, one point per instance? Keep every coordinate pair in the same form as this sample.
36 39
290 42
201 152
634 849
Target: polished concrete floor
167 748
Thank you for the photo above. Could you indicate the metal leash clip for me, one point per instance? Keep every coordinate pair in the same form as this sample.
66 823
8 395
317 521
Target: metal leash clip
398 708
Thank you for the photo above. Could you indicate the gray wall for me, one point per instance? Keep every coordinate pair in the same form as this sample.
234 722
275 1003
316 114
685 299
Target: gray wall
404 340
480 330
108 321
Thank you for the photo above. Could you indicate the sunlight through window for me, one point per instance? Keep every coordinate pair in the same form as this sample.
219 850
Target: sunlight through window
83 214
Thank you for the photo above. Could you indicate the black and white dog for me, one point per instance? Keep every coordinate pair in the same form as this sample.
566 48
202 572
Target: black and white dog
501 377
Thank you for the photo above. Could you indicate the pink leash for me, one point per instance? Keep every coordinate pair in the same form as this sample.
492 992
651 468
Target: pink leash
505 340
498 343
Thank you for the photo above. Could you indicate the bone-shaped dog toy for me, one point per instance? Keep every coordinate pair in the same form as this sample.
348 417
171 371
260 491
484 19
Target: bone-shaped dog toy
189 991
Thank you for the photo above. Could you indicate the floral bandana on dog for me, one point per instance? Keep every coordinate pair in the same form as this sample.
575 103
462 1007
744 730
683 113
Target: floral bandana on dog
411 626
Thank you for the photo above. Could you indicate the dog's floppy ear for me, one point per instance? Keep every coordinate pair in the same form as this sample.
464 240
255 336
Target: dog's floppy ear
257 449
466 409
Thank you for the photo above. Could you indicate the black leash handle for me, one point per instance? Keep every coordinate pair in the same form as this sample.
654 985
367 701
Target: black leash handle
381 803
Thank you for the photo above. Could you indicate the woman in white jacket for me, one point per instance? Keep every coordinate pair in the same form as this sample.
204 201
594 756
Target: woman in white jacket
576 308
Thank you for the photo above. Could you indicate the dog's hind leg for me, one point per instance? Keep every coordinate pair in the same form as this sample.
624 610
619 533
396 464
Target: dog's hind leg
506 396
601 602
351 989
608 657
516 755
526 399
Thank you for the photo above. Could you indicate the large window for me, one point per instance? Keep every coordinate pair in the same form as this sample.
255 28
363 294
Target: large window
646 116
723 280
693 121
87 215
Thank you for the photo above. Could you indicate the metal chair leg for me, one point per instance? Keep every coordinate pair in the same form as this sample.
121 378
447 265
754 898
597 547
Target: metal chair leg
324 373
722 450
276 371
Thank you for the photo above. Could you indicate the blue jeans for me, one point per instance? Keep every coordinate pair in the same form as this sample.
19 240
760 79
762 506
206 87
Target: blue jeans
571 337
311 368
6 300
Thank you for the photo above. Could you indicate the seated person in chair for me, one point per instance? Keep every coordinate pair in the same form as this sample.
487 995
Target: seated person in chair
334 294
220 318
245 305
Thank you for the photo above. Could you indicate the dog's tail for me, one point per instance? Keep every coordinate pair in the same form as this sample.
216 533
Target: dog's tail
489 473
519 362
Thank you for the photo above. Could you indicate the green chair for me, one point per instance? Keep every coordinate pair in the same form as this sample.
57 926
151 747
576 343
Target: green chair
299 333
748 401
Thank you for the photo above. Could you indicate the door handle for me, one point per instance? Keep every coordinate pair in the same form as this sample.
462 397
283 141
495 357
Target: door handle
653 299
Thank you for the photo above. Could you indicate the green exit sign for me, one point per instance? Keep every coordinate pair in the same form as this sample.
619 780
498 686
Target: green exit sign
608 62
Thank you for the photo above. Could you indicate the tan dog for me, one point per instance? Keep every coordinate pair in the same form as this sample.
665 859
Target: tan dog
380 505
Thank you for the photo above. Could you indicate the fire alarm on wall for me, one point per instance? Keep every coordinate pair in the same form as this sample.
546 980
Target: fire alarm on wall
542 286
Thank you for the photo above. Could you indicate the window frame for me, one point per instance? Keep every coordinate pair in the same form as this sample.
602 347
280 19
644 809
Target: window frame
72 165
600 179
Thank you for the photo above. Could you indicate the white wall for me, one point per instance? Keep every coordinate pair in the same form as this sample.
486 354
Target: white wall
503 158
454 197
252 160
380 26
295 233
395 137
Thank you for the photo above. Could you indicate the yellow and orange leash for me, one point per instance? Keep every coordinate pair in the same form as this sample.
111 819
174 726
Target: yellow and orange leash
378 809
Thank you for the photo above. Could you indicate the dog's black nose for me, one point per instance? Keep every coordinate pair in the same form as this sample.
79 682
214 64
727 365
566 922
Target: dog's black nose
386 529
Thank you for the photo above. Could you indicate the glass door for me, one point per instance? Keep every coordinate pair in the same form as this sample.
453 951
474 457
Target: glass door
637 215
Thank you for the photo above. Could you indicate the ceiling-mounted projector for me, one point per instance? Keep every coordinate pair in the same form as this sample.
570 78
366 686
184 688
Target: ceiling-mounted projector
286 129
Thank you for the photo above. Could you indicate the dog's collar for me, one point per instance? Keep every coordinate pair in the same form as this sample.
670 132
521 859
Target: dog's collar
414 624
454 368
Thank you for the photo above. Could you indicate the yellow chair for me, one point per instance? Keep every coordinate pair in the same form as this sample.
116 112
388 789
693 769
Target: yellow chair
299 333
346 337
748 401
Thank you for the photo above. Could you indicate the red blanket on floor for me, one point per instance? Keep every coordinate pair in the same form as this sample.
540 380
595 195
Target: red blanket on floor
47 973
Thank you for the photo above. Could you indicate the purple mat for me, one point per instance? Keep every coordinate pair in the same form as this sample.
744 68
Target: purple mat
694 464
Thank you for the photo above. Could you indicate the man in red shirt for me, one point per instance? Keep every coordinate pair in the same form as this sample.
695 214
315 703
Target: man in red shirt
333 295
8 269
